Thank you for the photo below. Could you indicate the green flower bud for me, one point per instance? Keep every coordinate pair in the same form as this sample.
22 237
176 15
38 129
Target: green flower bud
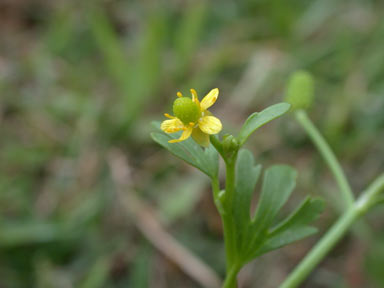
230 144
186 110
300 90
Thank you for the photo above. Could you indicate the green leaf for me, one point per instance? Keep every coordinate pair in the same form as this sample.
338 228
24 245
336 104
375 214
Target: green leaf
258 119
189 151
179 150
255 237
294 228
212 158
308 211
278 183
284 238
247 176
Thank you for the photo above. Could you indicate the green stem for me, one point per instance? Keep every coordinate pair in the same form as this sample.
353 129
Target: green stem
227 217
321 249
328 155
231 279
229 182
229 239
361 229
337 231
224 205
372 195
215 188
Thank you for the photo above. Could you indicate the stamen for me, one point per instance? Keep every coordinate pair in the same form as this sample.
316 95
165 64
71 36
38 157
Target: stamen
179 94
194 95
169 116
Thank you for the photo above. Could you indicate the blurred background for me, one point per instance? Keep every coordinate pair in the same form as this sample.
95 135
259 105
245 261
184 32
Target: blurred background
88 200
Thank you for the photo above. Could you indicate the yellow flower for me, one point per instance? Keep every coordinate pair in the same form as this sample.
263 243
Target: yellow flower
193 118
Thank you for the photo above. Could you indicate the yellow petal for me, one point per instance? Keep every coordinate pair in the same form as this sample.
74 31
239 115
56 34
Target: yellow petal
185 135
207 113
209 99
200 137
171 126
210 125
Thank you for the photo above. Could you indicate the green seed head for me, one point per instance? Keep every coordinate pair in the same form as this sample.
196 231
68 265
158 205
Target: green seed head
300 90
186 110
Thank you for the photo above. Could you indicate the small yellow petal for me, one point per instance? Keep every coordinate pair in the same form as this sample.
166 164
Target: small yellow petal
209 99
200 137
171 126
185 135
210 125
179 94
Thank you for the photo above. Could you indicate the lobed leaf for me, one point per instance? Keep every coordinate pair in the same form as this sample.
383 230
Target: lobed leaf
278 183
258 119
284 238
294 228
308 211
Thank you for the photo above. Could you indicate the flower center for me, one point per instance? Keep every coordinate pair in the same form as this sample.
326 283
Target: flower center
186 110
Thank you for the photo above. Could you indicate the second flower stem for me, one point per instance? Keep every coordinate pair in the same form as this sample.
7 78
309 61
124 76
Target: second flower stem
338 230
329 156
360 229
321 249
